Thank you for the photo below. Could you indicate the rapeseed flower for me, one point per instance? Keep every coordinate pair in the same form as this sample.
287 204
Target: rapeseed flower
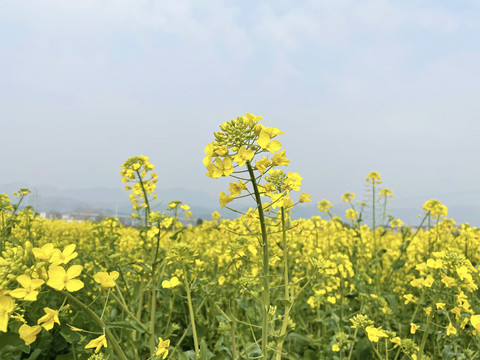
29 290
97 343
162 347
105 279
29 333
47 321
225 199
375 334
170 284
243 155
451 330
60 279
63 257
414 328
6 308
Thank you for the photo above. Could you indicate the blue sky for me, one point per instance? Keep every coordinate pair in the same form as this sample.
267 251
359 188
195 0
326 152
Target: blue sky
357 86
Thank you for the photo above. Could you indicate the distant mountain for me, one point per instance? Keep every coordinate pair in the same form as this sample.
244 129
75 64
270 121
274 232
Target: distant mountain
462 206
109 200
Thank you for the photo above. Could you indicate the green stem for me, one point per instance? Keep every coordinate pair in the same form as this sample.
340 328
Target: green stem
373 214
286 316
97 320
147 209
192 313
121 302
353 344
427 327
266 285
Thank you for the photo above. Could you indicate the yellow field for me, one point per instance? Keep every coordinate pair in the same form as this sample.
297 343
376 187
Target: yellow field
259 286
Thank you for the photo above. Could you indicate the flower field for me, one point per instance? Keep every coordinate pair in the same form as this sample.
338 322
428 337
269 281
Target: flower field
262 285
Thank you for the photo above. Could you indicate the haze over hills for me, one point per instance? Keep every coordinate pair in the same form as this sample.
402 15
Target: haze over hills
462 206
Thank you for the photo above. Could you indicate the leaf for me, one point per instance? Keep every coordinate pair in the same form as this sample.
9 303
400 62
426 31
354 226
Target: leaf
10 342
205 354
187 355
35 354
69 335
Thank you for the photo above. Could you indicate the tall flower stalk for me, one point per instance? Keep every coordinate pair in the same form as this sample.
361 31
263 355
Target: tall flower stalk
240 143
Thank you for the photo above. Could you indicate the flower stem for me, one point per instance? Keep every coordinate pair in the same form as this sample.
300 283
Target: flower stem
192 314
99 322
266 285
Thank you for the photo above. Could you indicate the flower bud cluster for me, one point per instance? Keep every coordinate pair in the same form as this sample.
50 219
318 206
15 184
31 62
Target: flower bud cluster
136 170
12 264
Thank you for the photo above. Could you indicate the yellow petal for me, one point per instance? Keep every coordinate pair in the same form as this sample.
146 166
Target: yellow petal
74 285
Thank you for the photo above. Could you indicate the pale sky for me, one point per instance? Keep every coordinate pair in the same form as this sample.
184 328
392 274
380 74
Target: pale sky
357 86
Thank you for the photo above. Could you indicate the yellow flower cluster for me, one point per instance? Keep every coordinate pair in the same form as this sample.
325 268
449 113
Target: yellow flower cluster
136 170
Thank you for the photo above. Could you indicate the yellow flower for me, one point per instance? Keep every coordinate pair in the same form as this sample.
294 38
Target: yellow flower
261 165
45 252
462 272
60 279
292 182
237 188
162 347
209 152
221 280
170 284
6 309
409 298
105 279
428 310
386 193
280 159
440 306
348 197
63 257
448 281
97 343
414 328
475 320
224 167
457 311
304 198
374 334
428 282
435 208
373 178
451 330
396 223
47 321
216 215
311 302
351 214
265 142
324 205
152 232
243 155
29 333
335 347
28 291
417 282
221 150
396 340
225 199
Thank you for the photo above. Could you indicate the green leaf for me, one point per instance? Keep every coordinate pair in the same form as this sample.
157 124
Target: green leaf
35 354
10 343
69 335
205 354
